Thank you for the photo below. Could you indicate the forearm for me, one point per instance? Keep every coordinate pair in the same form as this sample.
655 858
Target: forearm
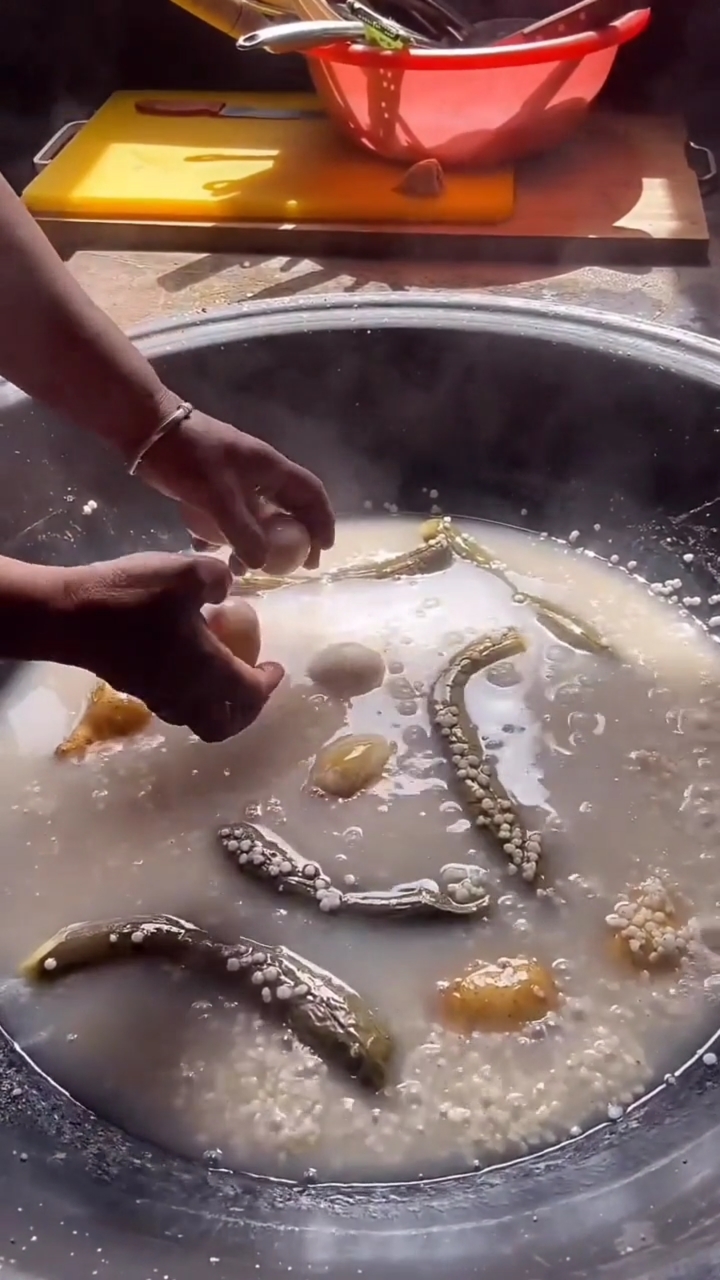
60 348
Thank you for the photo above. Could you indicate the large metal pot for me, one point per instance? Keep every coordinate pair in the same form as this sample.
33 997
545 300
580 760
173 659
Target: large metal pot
543 417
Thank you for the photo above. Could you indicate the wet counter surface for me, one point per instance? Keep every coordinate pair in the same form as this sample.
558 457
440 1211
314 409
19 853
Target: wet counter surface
139 288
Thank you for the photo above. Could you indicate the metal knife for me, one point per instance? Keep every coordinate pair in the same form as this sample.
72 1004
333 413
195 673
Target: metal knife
190 107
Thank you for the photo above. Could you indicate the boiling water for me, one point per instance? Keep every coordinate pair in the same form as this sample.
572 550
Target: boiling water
132 829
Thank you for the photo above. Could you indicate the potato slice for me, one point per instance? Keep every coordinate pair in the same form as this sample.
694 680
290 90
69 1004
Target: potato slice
499 996
350 764
107 716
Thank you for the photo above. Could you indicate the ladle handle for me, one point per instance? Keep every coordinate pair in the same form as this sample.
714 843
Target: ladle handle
236 19
295 37
227 16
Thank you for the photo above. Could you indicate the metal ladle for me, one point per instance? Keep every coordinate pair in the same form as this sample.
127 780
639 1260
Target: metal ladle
441 22
434 21
300 37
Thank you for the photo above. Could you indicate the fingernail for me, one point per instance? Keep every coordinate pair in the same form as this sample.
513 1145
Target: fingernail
211 579
202 544
273 669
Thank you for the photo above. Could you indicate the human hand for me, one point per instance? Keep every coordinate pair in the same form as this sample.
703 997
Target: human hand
136 623
221 476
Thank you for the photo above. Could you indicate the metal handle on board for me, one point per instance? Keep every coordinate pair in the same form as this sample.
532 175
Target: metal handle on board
54 145
704 165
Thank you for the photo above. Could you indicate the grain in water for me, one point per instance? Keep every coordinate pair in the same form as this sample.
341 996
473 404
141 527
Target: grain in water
612 761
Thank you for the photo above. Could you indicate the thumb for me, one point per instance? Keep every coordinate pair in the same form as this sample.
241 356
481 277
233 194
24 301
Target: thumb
270 674
207 580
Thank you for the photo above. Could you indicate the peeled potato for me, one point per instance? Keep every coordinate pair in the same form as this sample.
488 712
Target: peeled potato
499 996
108 715
288 543
347 669
350 764
235 623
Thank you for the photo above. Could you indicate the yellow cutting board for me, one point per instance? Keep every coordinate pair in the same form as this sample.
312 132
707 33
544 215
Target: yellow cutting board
124 165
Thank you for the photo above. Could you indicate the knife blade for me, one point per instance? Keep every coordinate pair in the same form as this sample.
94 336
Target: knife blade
191 107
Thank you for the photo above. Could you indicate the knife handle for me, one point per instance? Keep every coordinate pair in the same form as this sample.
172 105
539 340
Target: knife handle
178 107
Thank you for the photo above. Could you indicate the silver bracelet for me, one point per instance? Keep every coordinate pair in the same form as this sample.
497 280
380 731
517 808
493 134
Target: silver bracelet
181 414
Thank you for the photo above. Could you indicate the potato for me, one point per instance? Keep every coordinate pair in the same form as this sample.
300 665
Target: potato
499 996
350 764
347 669
288 543
236 625
108 715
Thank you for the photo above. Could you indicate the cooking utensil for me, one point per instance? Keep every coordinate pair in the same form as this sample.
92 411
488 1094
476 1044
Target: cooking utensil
588 15
190 107
301 36
315 10
269 10
432 20
585 16
231 16
382 31
464 106
298 37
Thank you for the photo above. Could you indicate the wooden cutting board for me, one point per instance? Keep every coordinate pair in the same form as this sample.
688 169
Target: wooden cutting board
620 191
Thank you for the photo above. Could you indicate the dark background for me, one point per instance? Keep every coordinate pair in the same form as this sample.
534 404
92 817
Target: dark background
60 59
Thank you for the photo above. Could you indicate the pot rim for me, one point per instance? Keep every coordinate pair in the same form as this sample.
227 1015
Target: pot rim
666 346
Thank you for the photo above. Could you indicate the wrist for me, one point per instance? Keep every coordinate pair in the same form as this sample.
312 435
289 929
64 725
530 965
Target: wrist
133 434
170 423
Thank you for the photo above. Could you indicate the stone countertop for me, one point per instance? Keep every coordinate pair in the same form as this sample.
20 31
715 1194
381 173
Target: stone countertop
139 288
